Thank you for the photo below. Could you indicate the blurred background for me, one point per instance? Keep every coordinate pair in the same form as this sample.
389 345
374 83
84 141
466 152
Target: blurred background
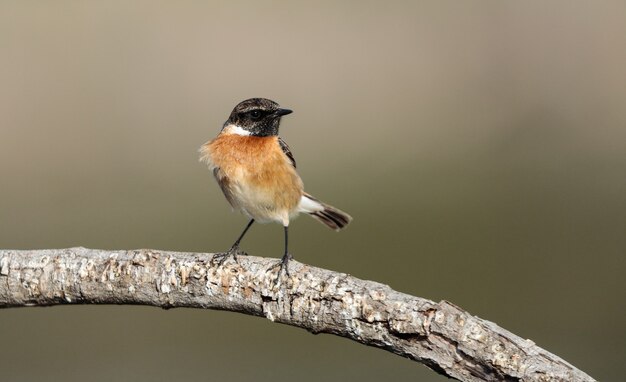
480 147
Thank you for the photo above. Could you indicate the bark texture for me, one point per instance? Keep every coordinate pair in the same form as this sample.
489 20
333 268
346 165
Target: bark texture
440 335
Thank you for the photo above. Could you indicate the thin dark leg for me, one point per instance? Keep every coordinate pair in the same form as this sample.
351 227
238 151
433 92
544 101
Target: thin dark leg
221 257
284 261
286 256
236 244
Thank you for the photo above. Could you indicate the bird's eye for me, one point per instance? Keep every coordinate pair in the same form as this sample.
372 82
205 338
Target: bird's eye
255 114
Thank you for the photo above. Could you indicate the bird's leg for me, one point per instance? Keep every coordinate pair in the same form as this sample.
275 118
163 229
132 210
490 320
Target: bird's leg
286 256
235 246
234 249
284 261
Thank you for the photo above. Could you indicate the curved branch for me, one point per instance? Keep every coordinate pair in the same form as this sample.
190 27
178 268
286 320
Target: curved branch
440 335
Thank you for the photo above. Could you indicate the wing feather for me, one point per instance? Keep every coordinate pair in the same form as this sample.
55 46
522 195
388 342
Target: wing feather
287 151
224 184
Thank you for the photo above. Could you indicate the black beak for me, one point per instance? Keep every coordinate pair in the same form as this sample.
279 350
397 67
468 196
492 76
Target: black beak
281 112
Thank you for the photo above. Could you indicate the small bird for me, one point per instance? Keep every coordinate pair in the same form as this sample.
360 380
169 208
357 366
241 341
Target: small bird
256 171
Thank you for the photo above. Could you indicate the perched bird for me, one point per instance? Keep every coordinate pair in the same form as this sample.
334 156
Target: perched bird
256 171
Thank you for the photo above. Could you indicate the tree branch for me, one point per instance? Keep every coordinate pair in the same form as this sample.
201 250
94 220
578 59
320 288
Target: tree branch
440 335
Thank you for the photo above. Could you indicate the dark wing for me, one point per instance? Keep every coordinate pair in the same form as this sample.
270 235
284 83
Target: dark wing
224 183
287 151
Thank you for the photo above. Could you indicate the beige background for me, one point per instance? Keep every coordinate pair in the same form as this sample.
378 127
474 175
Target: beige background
480 147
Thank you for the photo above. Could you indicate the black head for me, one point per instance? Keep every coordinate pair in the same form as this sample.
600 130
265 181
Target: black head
258 116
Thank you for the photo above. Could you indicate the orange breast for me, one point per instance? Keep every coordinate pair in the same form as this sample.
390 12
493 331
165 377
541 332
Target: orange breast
259 169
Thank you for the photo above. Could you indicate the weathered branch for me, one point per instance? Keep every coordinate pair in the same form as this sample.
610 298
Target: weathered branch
440 335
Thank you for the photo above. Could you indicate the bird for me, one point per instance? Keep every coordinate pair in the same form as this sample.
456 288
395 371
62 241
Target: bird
256 172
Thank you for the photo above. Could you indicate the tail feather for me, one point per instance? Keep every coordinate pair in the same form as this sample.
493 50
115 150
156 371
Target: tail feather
332 217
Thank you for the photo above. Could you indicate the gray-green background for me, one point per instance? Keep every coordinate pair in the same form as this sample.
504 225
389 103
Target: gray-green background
480 147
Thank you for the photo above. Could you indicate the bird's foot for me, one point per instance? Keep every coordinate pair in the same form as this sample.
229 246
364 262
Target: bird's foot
220 258
283 265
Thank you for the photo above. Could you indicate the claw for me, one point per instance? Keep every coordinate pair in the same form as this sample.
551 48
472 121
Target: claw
223 256
283 264
220 258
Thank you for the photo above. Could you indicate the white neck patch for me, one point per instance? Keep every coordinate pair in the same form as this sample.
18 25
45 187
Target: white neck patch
237 130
